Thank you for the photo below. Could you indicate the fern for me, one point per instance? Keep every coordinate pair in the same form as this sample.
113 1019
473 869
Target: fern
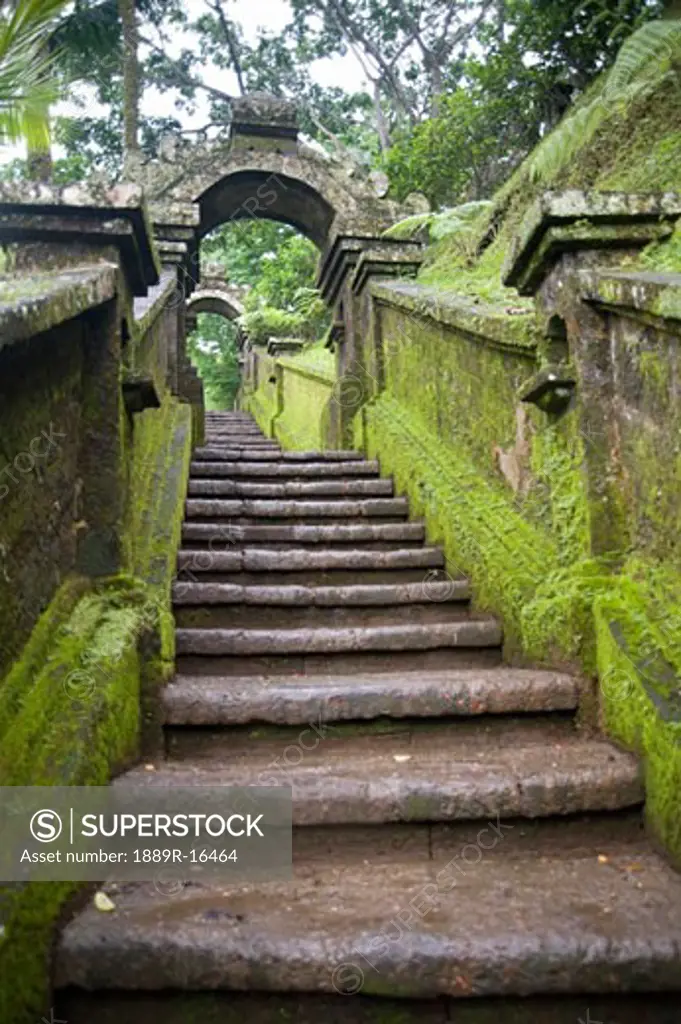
434 226
646 59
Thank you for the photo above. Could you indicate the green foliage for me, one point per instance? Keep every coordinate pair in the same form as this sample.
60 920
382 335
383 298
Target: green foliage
431 227
265 322
498 106
214 352
647 58
448 157
27 79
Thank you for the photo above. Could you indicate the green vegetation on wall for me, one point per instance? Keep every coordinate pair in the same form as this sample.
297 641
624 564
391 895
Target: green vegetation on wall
75 705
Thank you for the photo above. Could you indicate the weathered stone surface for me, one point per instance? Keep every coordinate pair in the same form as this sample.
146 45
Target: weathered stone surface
212 700
33 305
657 295
297 509
378 488
562 920
284 468
336 534
476 768
218 454
301 559
560 222
357 595
482 633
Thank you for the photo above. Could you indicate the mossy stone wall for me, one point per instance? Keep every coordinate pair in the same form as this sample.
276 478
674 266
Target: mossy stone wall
508 494
82 653
41 390
293 399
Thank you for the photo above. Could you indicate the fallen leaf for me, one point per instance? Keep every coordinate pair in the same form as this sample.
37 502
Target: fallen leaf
103 903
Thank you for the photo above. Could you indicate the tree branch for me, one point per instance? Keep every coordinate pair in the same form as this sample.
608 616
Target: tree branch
231 41
186 79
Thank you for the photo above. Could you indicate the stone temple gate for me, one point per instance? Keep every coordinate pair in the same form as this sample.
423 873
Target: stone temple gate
264 170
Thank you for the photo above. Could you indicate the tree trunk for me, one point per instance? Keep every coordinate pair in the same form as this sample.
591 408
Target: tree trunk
131 87
381 123
672 9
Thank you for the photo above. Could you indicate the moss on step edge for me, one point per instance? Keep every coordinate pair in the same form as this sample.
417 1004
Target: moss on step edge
74 705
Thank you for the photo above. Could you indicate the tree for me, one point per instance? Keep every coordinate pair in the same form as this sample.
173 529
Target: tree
131 85
214 352
499 105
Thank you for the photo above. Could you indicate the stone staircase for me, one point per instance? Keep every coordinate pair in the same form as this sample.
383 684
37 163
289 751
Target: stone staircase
456 835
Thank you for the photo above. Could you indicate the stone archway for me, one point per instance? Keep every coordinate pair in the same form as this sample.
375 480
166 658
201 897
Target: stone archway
264 170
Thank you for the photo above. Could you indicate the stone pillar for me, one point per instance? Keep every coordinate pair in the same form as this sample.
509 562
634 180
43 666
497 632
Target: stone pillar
176 232
49 231
347 266
564 236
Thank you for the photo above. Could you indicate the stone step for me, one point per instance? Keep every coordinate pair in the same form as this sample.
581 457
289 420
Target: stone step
373 488
469 633
338 533
306 560
230 616
508 909
295 508
222 455
376 772
78 1007
431 589
259 449
299 700
282 468
348 663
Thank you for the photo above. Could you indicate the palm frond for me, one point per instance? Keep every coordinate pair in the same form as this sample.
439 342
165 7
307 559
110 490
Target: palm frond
27 81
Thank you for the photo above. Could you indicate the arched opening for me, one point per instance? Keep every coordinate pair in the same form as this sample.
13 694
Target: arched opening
264 194
256 300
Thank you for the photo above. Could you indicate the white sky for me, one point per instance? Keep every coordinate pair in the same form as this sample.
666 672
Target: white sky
251 15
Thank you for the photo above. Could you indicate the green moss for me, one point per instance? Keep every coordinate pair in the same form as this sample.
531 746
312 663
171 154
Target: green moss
664 257
639 660
75 701
73 720
481 528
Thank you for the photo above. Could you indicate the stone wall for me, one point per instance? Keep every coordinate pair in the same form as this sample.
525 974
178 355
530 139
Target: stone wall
41 394
95 448
291 396
565 519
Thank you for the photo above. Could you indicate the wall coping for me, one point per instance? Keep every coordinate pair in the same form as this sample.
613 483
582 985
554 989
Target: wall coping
511 332
85 215
561 221
305 371
655 294
160 296
32 305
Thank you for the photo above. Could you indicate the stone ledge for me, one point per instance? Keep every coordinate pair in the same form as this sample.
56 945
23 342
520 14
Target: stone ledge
565 221
655 295
32 305
85 216
484 324
384 261
306 371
